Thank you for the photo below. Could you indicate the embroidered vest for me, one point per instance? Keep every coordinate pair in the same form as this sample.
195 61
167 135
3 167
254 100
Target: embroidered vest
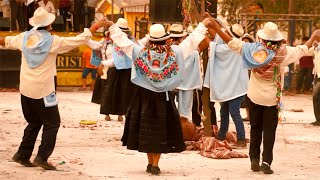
159 72
121 60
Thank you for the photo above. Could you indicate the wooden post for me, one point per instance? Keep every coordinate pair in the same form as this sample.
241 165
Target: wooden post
206 91
112 6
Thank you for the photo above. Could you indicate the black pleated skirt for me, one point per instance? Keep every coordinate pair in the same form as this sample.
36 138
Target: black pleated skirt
97 91
153 123
117 92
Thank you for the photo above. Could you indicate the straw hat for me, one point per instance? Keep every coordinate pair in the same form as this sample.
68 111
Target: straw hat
176 30
157 33
41 18
122 24
236 30
248 37
270 32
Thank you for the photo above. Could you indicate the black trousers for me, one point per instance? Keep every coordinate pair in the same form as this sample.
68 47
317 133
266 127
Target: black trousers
196 118
37 115
264 122
316 99
305 79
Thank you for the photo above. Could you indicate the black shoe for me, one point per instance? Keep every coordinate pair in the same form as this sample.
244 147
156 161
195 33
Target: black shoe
316 123
155 170
255 165
149 168
265 168
18 158
44 164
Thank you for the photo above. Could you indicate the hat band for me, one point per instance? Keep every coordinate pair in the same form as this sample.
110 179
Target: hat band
124 28
167 34
233 33
176 32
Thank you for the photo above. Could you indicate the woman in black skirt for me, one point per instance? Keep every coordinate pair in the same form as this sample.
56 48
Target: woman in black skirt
117 92
153 123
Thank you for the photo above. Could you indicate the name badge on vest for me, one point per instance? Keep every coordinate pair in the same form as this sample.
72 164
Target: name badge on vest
50 100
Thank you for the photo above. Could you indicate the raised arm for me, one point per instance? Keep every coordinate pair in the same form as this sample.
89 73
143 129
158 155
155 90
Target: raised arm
64 44
121 39
314 37
193 40
217 28
2 43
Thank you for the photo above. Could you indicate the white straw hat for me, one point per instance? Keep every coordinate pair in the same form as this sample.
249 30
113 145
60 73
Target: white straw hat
41 18
122 24
236 30
248 37
270 32
176 30
157 33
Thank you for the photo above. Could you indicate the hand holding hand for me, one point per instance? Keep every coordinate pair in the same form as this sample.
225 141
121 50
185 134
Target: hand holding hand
214 24
206 22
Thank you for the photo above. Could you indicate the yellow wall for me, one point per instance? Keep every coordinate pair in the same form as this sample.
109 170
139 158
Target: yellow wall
129 16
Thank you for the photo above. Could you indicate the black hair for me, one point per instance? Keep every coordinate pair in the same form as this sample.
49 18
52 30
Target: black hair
306 38
42 28
260 5
176 38
272 44
158 42
249 39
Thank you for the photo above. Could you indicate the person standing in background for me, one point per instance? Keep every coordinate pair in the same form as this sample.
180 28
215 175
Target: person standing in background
64 10
91 11
47 5
78 15
5 6
88 68
304 83
13 12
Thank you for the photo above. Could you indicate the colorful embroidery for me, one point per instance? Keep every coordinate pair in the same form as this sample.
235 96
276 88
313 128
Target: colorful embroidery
118 50
151 67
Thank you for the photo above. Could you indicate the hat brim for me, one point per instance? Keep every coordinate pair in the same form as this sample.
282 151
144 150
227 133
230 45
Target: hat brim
165 37
124 29
232 34
49 20
248 37
179 35
277 37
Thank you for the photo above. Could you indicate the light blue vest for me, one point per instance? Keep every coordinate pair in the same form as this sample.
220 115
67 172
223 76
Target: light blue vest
161 73
121 60
192 79
37 54
225 75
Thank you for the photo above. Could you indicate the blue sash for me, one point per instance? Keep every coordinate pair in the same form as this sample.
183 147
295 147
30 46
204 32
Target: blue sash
248 52
38 51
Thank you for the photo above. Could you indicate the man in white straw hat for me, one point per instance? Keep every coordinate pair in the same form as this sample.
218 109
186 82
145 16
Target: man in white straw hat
267 58
152 121
228 83
38 98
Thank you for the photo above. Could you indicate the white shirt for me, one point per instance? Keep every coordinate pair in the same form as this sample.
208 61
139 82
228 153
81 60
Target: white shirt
263 92
49 6
38 82
107 54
